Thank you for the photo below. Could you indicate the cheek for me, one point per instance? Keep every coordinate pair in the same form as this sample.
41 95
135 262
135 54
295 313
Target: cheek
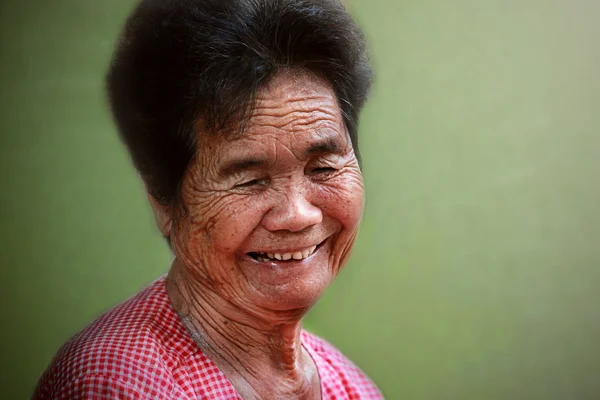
342 198
219 223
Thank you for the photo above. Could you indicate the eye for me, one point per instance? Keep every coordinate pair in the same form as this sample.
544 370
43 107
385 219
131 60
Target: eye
322 171
253 183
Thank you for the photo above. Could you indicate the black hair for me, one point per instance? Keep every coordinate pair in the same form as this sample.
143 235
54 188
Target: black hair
181 59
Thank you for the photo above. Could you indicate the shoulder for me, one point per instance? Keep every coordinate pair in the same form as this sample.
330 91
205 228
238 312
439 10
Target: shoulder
337 372
128 352
91 387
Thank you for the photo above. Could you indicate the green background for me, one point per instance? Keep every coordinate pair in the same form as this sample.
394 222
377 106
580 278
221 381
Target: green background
477 271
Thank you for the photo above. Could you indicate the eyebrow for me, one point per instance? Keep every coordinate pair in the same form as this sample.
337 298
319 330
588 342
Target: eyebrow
327 146
237 166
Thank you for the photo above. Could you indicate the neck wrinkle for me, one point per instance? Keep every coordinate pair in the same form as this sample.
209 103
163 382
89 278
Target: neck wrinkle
256 355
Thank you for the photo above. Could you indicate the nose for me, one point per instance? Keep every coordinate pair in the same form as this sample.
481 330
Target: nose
293 212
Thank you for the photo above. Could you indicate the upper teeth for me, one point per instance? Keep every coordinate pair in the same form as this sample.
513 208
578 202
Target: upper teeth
297 255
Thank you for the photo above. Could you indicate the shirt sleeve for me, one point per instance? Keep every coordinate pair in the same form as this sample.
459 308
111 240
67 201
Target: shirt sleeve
91 387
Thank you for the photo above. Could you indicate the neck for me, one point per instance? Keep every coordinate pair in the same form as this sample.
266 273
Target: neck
260 353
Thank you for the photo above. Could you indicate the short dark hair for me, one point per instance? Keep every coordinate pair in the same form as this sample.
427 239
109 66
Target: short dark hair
181 59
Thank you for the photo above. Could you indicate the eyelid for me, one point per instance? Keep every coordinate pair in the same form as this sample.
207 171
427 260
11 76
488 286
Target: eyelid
251 182
330 162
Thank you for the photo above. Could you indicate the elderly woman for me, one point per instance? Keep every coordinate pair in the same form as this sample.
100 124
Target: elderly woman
241 117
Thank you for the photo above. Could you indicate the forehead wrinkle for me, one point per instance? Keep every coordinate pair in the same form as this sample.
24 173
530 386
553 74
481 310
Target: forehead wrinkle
288 113
274 113
295 119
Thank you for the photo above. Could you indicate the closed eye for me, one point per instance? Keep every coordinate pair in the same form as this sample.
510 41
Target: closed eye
322 170
253 182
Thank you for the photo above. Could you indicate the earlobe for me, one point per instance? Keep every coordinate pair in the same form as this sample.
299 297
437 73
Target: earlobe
162 216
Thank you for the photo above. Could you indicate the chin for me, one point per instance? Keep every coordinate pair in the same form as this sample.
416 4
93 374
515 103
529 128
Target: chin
288 285
296 296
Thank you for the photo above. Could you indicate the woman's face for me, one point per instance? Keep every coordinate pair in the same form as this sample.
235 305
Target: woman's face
273 212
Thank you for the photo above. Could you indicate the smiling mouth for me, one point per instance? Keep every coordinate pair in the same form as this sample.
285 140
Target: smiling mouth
296 255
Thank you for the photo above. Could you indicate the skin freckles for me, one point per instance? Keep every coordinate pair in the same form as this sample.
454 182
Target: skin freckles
288 182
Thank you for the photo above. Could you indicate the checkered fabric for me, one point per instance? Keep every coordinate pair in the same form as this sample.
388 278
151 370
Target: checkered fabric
141 350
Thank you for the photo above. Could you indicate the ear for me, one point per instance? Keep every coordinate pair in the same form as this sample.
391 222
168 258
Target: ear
164 222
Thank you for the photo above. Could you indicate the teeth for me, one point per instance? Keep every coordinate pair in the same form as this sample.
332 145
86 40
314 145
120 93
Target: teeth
298 255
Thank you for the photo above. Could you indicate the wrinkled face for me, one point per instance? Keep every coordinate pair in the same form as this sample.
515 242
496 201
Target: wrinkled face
273 212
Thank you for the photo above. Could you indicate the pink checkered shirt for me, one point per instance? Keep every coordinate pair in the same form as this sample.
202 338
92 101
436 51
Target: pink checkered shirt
141 350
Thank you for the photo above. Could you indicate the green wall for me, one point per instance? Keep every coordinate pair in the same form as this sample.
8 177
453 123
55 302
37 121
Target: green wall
477 272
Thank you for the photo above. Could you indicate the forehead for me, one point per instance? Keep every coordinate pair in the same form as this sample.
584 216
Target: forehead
295 94
294 110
